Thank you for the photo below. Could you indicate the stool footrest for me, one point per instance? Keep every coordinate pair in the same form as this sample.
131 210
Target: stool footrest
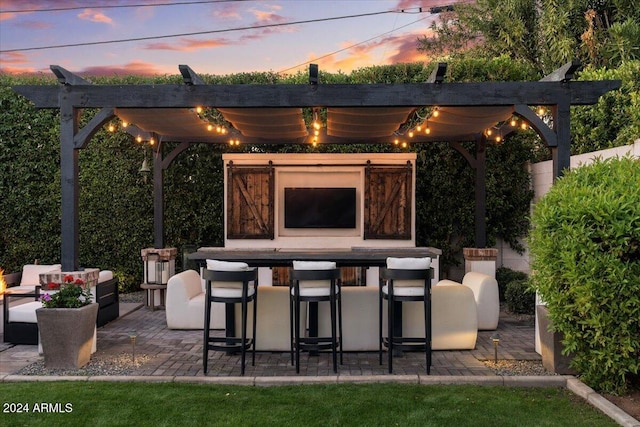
406 343
228 343
316 343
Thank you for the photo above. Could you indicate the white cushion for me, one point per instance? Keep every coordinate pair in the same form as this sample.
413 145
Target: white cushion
314 265
408 263
105 275
404 291
216 265
24 312
322 286
315 291
230 292
31 273
21 290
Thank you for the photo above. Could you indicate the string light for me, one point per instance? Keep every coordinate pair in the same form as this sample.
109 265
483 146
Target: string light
112 128
139 138
513 122
410 134
404 144
427 130
523 126
152 141
541 111
198 109
125 124
489 132
396 141
436 113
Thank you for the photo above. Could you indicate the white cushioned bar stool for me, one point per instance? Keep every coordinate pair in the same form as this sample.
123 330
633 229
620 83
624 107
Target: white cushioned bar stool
314 282
405 279
229 283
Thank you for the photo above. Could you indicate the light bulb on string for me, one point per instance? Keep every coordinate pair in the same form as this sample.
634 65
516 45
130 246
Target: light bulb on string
435 113
513 122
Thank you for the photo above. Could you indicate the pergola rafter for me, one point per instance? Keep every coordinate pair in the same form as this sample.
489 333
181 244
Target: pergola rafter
555 91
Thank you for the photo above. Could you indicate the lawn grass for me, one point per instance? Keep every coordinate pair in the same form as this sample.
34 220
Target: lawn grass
171 404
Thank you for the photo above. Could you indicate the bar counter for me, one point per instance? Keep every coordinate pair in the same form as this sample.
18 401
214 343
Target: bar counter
349 257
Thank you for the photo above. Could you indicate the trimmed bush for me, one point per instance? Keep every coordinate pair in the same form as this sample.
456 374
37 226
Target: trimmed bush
585 248
504 276
519 297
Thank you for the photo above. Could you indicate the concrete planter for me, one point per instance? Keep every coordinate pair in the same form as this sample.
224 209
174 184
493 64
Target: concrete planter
66 335
551 344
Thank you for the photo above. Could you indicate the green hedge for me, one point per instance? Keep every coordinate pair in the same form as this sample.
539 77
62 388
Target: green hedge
519 297
585 248
504 276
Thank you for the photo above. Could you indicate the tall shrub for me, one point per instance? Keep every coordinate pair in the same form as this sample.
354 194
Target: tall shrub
585 248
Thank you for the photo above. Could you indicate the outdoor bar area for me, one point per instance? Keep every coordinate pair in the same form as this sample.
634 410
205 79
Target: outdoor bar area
348 218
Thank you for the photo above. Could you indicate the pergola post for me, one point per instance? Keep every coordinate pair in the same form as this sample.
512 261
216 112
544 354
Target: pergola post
69 171
158 197
561 154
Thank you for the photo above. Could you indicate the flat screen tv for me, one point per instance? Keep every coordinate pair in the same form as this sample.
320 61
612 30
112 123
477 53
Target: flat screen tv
320 208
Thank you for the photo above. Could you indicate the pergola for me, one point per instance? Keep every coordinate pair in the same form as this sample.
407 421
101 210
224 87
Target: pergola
272 114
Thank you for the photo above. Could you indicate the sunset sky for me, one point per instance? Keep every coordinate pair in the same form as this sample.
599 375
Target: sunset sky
212 37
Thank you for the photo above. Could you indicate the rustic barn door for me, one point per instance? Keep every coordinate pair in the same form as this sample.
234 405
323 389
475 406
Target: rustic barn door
250 202
387 203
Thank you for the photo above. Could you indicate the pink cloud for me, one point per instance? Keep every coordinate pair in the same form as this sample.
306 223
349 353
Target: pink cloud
269 16
14 58
94 16
228 11
132 68
186 44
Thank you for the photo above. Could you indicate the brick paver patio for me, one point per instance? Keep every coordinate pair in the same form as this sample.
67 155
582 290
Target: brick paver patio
179 353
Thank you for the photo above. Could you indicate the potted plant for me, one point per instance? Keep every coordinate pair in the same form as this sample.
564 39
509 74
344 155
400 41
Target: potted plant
66 323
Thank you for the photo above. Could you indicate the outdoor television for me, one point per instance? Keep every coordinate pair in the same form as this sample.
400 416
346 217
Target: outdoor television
320 208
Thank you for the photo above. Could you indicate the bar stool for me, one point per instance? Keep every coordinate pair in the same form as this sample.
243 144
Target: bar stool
230 287
315 282
410 280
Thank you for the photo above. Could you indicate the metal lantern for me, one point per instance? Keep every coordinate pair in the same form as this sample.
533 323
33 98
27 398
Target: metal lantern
153 259
162 272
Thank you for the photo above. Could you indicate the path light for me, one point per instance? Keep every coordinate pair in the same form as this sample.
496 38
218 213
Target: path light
132 338
496 340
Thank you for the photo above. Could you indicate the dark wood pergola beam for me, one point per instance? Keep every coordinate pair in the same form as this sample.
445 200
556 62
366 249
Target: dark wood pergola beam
329 95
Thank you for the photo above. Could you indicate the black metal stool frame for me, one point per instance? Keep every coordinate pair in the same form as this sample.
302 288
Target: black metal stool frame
298 343
241 343
388 276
